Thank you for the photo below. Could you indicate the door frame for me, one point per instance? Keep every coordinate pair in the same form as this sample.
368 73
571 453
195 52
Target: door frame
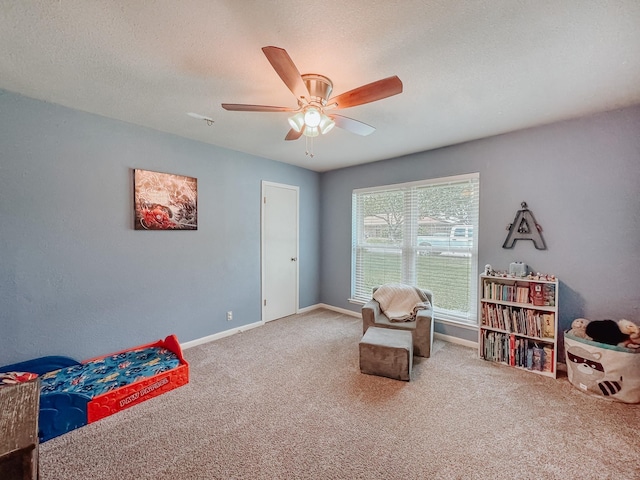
296 189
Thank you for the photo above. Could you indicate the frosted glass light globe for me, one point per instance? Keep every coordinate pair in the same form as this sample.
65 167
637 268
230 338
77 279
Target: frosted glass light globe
312 117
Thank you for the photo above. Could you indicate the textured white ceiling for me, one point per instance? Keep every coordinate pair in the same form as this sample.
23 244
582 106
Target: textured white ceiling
470 69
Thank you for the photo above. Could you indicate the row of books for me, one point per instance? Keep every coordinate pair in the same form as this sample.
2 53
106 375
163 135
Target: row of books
524 321
539 294
517 352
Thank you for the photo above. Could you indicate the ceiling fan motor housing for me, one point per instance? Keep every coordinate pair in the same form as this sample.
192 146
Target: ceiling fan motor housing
319 87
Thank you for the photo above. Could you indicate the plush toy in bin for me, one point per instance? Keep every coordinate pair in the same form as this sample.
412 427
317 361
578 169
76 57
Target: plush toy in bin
623 333
603 358
632 331
579 328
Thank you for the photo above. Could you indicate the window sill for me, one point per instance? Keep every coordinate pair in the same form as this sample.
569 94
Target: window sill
355 301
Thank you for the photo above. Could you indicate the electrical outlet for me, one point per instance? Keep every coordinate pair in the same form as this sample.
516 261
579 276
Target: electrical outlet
229 316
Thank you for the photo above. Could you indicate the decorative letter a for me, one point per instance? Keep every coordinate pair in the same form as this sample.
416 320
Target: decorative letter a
521 229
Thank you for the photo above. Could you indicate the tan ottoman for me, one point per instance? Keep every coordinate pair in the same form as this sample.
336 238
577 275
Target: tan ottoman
387 353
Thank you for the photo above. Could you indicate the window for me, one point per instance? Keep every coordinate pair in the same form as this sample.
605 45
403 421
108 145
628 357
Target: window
419 233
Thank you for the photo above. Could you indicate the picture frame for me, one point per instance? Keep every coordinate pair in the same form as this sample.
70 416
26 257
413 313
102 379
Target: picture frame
164 201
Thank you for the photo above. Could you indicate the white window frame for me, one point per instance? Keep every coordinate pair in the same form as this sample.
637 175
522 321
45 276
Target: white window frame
409 248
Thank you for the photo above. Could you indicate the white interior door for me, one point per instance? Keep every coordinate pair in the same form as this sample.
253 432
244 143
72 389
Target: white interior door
279 250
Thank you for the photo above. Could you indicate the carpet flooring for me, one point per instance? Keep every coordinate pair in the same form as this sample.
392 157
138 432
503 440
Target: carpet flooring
287 401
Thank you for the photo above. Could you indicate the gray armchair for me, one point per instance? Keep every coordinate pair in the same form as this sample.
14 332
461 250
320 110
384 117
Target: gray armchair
421 328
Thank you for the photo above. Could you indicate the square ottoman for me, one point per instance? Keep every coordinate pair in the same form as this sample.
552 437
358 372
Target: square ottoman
387 353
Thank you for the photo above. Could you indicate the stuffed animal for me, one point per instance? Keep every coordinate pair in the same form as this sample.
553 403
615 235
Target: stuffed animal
605 331
629 328
578 328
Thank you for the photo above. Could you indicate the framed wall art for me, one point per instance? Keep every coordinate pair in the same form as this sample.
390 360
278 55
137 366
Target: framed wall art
163 201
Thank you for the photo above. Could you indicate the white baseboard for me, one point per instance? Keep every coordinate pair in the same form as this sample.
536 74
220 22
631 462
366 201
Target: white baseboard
310 308
456 340
219 335
329 307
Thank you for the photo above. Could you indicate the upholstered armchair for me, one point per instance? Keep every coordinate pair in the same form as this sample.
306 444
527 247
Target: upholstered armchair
421 328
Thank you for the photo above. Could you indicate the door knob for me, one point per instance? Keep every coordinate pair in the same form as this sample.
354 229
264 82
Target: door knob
293 259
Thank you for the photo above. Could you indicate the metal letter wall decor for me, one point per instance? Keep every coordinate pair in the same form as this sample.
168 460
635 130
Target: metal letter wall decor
521 229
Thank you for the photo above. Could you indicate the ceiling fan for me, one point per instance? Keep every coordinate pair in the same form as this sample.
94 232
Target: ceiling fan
312 91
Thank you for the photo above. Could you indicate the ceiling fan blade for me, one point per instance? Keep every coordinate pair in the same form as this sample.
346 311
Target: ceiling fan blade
353 126
293 135
371 92
241 107
286 70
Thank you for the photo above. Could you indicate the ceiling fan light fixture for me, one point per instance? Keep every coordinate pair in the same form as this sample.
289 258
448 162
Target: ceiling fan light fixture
311 131
312 117
326 124
297 121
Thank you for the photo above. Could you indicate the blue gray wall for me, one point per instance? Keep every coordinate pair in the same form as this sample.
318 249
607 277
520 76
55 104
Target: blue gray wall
580 179
77 280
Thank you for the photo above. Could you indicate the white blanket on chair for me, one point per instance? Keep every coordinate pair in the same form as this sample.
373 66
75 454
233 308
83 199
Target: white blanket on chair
399 302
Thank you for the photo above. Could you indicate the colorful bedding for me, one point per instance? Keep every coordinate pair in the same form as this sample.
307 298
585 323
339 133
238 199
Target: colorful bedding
106 374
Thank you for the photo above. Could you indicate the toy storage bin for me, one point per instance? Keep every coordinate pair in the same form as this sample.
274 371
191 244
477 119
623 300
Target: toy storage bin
603 370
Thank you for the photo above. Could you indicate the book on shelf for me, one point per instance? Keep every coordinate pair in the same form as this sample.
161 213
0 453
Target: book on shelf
548 325
549 294
530 358
522 294
547 364
538 358
537 294
512 350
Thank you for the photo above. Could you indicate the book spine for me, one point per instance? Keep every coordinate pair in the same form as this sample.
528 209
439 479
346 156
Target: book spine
512 350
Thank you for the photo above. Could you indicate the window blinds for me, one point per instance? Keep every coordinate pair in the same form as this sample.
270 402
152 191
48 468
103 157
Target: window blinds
420 233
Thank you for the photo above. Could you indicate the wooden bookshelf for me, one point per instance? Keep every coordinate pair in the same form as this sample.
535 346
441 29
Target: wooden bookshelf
519 323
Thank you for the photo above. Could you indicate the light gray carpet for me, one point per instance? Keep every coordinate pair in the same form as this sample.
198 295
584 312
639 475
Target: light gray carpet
287 401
